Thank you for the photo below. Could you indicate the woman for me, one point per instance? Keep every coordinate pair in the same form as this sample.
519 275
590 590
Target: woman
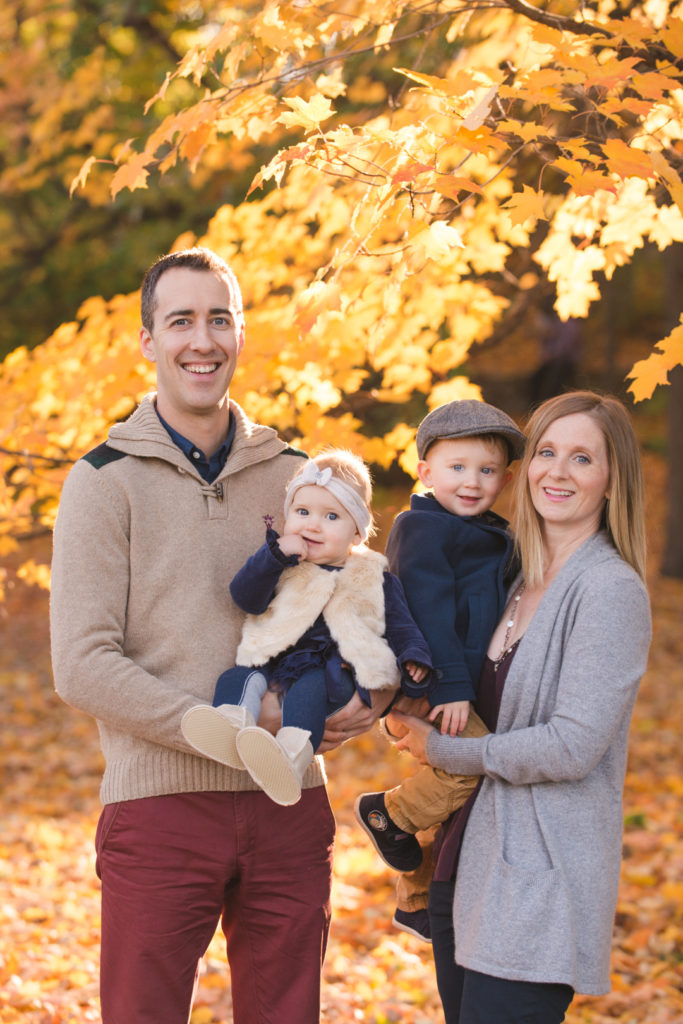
538 864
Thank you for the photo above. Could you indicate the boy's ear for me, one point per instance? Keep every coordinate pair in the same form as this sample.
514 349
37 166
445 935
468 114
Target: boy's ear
507 477
424 473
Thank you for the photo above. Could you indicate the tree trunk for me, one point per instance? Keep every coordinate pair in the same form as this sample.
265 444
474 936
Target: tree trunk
672 561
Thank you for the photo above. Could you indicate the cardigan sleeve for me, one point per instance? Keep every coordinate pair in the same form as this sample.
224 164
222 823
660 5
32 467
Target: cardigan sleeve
603 657
88 609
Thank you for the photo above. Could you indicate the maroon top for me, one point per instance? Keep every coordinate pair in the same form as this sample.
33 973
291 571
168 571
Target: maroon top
487 705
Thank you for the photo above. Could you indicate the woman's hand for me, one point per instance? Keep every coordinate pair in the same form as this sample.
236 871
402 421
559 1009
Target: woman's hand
353 719
414 733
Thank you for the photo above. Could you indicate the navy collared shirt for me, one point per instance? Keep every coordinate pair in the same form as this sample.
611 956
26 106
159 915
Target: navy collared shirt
208 468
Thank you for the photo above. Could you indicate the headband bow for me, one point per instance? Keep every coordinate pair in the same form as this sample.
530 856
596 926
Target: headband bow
343 492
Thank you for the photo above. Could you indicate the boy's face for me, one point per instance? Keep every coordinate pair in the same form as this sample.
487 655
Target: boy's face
466 474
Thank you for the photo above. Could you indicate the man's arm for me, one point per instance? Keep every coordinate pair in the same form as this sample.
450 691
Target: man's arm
88 608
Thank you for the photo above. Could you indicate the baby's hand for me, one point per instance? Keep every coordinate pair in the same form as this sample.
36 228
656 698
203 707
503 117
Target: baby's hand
292 544
416 672
455 715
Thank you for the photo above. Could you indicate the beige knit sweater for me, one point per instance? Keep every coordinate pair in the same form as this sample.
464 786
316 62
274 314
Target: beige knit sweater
142 622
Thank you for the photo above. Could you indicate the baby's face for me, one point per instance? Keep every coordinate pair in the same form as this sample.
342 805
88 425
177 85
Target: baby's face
466 474
323 523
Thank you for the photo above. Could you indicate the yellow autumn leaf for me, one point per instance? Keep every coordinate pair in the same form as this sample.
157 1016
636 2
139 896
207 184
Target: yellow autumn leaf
82 176
307 114
672 34
525 205
133 174
625 161
453 390
648 373
438 239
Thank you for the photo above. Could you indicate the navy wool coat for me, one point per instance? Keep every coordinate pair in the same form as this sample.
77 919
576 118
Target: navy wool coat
454 570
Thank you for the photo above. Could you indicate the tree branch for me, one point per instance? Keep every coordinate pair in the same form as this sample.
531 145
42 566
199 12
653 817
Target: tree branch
29 457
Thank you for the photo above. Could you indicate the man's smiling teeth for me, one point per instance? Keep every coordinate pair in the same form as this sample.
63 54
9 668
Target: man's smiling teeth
201 367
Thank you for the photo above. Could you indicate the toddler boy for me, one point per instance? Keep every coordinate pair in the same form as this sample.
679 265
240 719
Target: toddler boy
451 553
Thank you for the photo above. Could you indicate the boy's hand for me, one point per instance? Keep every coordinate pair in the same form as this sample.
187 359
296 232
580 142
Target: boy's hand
455 715
415 671
292 544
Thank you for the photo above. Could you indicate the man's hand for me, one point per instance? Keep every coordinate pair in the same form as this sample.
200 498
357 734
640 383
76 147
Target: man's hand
353 719
271 712
455 715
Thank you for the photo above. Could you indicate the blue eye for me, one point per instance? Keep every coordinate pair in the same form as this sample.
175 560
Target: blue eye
487 470
302 511
582 458
458 467
332 516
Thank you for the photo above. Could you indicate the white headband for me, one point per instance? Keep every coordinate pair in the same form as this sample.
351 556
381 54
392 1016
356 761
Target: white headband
343 492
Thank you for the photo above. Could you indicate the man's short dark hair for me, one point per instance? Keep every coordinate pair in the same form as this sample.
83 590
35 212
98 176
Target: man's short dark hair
197 258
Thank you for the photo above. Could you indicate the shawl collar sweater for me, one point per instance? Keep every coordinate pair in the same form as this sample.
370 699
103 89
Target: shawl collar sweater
142 623
538 874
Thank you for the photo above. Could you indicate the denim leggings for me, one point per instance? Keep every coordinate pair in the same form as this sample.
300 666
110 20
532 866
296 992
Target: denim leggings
469 997
305 704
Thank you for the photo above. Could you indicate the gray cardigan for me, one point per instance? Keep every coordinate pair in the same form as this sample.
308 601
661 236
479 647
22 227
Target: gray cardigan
538 875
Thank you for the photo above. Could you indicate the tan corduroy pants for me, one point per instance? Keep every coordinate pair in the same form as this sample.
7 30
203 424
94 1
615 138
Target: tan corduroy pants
419 805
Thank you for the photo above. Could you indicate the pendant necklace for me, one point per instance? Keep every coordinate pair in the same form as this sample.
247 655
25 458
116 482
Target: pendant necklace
510 624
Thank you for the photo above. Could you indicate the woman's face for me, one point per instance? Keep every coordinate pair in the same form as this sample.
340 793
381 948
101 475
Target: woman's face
569 475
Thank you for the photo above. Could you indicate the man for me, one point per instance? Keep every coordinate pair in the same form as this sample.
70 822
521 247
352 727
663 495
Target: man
151 528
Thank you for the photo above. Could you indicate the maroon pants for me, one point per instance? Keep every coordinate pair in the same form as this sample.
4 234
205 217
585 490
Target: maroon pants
173 866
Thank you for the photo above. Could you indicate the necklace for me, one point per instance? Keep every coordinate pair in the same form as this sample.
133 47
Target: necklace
510 624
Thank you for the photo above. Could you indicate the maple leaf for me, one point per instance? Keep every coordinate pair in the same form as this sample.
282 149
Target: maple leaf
307 114
647 374
481 111
451 185
625 161
82 176
441 86
439 239
525 205
316 299
133 174
409 172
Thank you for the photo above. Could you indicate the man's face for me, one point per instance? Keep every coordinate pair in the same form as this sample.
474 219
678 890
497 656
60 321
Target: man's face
195 343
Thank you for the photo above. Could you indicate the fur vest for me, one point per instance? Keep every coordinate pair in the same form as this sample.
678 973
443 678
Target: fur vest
352 603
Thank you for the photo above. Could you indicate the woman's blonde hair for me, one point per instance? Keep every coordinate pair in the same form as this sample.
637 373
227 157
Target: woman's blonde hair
623 516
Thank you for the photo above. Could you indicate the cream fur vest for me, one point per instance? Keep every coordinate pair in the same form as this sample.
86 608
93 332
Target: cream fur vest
352 603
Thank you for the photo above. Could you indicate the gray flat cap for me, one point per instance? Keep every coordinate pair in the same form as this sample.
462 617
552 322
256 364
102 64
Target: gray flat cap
464 419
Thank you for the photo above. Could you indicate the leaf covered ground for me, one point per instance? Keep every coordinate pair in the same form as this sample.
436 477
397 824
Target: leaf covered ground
49 898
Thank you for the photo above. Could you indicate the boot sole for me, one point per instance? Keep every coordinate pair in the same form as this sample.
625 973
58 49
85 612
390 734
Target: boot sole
268 765
212 734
